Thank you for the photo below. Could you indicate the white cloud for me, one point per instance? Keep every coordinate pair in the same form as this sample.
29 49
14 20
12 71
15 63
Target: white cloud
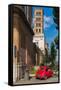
48 21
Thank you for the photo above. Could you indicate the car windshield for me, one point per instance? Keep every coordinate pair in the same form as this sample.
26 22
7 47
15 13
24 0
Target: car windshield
42 68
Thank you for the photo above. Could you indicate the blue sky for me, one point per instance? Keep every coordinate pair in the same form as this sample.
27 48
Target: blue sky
49 25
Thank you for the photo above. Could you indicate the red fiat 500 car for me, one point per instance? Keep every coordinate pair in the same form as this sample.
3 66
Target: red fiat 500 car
44 72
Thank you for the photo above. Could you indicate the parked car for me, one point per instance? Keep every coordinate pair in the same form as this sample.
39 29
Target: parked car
44 72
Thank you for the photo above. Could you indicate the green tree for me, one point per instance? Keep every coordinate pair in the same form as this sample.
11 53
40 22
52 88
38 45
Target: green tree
53 53
56 41
56 16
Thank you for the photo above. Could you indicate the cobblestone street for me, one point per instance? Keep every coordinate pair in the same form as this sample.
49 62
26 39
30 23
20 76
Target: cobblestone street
33 80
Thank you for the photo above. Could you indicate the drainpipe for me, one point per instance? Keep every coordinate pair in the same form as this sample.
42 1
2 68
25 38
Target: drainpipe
26 56
26 77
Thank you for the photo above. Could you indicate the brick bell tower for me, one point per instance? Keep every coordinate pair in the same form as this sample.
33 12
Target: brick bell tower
38 38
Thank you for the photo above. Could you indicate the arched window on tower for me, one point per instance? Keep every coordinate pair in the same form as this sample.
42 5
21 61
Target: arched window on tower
39 30
36 30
